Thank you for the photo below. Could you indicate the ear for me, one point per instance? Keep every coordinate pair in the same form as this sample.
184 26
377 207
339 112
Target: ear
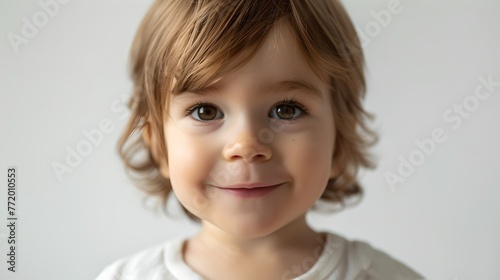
152 142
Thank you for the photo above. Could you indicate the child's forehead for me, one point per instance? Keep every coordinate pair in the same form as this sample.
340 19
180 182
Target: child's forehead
301 86
279 63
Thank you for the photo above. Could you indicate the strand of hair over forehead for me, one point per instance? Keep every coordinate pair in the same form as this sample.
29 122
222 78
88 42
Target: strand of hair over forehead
226 24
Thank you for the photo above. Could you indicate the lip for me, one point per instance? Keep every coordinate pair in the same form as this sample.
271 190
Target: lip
250 190
250 186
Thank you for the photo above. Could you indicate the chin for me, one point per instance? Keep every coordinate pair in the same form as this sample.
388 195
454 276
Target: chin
251 228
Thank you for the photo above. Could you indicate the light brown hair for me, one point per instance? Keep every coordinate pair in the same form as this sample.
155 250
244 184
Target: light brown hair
184 45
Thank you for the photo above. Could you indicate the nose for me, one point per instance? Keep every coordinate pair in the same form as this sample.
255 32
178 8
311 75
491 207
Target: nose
246 145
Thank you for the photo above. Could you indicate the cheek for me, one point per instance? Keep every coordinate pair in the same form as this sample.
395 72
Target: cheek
189 158
311 156
308 157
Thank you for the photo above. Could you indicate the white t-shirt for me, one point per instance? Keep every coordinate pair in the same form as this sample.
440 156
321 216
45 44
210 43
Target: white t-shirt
340 260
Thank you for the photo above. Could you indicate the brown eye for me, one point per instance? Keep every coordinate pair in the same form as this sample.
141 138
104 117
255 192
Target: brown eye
285 111
205 113
289 110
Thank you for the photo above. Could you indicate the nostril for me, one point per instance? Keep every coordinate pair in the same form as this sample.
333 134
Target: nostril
260 156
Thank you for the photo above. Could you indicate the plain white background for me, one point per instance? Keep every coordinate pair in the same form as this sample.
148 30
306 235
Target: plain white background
72 74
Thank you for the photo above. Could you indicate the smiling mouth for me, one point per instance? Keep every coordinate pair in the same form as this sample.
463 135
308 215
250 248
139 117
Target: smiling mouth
250 192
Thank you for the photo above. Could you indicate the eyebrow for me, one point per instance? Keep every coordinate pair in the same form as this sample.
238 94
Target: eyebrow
293 84
296 85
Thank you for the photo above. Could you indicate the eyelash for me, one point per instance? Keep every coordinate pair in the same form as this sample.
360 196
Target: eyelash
293 102
198 104
286 101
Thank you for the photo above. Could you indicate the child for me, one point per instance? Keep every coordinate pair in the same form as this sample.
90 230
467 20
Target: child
281 84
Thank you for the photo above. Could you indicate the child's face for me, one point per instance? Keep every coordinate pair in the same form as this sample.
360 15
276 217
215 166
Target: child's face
245 134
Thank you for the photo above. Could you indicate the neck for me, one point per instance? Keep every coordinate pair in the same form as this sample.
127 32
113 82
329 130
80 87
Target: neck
294 238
